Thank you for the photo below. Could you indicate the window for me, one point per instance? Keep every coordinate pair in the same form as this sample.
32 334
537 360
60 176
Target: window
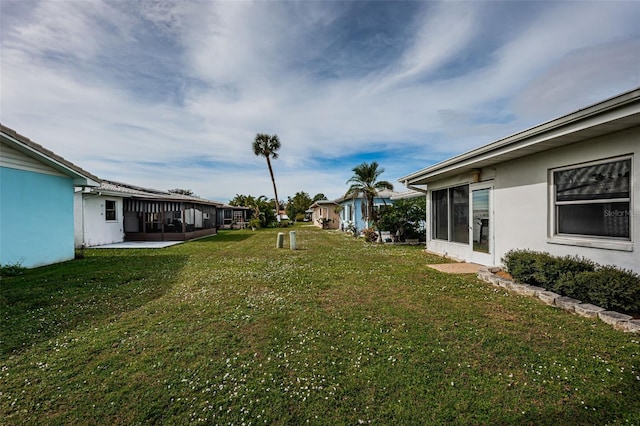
440 214
459 211
593 200
450 214
110 210
227 216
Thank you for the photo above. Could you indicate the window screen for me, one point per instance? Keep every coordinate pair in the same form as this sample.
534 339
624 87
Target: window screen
594 200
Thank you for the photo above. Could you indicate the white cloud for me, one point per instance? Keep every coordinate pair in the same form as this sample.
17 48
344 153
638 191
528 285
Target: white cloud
91 81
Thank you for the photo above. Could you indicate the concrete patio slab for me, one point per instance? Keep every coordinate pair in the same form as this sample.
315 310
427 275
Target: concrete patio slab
139 245
456 268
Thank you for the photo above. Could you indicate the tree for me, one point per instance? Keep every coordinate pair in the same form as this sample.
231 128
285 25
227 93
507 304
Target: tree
319 197
267 146
259 208
404 218
365 181
298 205
182 192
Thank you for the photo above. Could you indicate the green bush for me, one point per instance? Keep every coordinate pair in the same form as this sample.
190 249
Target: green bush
12 270
569 285
541 268
551 268
521 264
606 286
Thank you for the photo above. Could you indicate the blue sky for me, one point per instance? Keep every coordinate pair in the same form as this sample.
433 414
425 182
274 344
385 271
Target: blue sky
170 94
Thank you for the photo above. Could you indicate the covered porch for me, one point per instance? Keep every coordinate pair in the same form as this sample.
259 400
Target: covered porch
160 220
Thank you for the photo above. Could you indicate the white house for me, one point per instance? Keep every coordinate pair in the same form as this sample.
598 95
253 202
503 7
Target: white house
115 212
570 186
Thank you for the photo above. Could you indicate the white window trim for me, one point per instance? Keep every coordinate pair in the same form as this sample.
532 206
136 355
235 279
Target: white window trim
115 210
449 239
590 241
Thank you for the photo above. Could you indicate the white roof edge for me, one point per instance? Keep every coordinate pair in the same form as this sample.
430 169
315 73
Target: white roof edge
467 158
80 177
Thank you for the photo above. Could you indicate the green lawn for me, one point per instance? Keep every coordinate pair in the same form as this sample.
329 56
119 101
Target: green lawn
229 330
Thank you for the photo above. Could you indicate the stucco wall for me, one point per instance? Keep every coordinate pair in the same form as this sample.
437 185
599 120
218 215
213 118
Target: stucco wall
36 218
522 201
91 227
356 209
326 212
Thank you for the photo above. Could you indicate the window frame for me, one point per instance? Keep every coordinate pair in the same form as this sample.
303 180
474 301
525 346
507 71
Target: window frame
588 240
110 214
448 218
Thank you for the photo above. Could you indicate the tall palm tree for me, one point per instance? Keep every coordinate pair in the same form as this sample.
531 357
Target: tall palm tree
365 181
267 146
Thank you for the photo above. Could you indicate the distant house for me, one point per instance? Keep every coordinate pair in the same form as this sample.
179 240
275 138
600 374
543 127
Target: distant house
115 212
570 186
36 202
353 209
324 214
233 217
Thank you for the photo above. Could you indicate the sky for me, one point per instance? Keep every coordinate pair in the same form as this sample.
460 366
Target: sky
170 94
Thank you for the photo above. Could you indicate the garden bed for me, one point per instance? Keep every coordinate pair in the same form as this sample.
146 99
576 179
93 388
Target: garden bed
500 278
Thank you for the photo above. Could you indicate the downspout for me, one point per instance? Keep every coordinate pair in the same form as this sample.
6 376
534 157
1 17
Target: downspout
414 188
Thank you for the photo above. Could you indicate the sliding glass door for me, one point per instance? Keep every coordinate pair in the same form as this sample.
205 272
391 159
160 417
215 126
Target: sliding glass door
481 227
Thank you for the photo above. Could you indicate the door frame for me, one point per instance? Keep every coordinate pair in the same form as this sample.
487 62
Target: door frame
476 256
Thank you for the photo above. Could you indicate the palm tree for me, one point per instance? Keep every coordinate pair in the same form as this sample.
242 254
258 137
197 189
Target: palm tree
267 146
365 181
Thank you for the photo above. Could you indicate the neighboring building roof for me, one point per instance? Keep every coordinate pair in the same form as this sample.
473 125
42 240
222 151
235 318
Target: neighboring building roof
385 193
28 147
323 203
614 114
228 206
404 195
108 187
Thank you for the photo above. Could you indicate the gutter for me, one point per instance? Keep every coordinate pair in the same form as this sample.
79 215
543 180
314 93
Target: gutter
414 188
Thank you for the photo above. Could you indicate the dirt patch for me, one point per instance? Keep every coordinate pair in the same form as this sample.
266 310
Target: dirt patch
504 274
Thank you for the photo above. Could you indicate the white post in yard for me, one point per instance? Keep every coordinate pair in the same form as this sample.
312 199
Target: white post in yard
292 240
280 240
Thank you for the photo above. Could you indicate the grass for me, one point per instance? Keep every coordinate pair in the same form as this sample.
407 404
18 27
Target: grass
229 330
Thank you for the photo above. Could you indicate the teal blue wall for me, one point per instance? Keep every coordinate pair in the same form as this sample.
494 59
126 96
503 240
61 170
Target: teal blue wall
36 218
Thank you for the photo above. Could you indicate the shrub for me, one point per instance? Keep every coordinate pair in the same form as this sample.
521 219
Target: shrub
610 288
353 229
549 269
12 269
543 269
606 286
521 264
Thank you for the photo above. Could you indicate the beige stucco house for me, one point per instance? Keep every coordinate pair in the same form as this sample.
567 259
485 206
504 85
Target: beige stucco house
325 214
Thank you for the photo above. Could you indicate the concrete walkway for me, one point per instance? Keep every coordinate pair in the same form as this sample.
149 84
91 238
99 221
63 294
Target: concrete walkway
139 245
456 268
